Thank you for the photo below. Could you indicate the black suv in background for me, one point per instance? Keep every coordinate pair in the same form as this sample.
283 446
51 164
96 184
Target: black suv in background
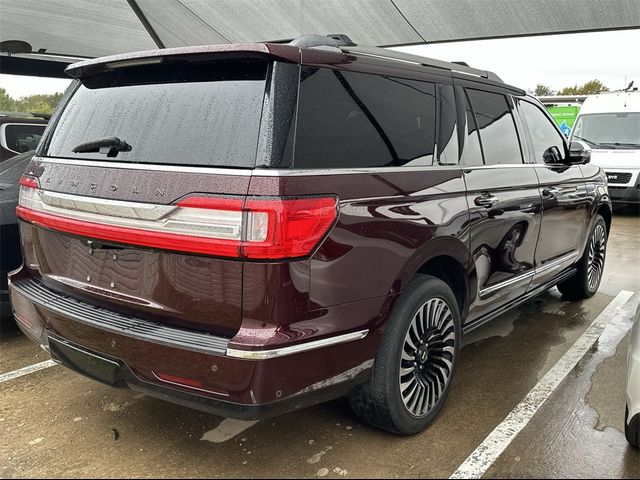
20 132
10 258
251 229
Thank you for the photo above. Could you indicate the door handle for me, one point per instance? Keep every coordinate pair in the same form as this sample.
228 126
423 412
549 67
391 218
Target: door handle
485 200
550 191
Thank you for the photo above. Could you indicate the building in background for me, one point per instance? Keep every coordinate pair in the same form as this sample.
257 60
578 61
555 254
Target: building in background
564 110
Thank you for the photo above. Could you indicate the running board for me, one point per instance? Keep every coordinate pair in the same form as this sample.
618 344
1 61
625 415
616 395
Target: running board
519 301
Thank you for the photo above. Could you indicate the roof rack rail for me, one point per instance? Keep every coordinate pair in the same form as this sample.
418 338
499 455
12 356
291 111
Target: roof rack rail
314 40
428 62
344 43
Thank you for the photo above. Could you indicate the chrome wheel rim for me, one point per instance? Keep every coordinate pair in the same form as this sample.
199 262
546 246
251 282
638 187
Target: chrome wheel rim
427 357
595 267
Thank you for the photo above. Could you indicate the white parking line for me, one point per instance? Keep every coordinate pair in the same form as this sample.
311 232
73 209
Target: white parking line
228 428
5 377
476 464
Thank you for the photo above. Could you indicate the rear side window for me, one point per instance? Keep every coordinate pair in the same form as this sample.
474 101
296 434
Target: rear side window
351 120
544 135
21 138
203 115
472 153
448 133
498 134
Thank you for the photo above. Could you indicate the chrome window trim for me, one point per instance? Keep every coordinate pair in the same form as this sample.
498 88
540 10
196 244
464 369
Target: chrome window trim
3 135
245 172
267 172
290 350
531 273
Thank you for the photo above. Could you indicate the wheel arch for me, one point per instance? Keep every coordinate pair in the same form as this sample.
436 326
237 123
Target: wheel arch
446 258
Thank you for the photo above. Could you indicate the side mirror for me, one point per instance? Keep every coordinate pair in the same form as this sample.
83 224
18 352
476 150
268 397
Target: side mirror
552 155
579 153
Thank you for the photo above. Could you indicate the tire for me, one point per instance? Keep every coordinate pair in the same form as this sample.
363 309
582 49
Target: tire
590 267
403 364
632 429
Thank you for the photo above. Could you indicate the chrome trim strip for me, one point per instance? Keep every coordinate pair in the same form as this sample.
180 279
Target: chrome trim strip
267 172
264 172
536 271
498 286
195 222
303 347
105 206
243 172
556 263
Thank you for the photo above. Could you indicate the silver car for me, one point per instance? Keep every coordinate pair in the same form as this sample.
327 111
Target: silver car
632 423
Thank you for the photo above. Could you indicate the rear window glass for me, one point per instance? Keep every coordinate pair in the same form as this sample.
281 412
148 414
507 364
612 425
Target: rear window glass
351 120
21 138
199 116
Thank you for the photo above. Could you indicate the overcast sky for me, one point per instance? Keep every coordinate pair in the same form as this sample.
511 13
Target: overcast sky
555 60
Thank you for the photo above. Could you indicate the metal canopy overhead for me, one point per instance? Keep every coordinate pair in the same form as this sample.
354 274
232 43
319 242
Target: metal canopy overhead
92 28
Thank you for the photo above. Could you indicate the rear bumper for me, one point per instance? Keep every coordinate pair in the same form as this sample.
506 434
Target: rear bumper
190 368
115 373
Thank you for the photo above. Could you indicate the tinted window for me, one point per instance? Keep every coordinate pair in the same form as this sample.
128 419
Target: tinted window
472 153
497 130
21 138
448 134
350 120
543 134
204 115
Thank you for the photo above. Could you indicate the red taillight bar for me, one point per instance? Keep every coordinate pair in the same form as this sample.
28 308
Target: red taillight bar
251 228
132 236
295 228
212 203
29 182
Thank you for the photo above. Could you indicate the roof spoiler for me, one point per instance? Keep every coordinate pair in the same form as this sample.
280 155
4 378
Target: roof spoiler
186 54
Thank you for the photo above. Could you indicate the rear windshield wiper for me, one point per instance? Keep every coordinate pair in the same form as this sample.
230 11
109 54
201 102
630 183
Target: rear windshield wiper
110 145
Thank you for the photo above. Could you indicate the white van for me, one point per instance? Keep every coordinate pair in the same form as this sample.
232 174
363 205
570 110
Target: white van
610 124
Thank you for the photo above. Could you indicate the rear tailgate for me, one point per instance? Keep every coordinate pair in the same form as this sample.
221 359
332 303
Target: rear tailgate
183 289
127 228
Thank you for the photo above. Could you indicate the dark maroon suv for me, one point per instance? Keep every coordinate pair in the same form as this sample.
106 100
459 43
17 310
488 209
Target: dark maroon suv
252 229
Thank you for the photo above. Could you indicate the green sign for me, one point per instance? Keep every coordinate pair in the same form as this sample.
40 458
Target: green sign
565 116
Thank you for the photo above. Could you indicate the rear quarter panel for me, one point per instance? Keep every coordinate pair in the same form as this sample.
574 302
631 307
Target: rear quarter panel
390 223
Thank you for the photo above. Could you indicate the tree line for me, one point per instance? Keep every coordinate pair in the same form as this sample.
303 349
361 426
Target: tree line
592 87
42 103
46 103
